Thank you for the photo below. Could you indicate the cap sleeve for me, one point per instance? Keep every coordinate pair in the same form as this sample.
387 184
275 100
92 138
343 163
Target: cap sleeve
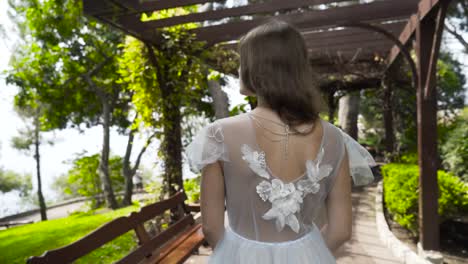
207 147
360 161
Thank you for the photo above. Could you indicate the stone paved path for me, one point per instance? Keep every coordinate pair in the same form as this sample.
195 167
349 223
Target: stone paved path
364 246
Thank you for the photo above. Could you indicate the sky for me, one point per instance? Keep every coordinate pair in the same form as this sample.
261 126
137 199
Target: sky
68 142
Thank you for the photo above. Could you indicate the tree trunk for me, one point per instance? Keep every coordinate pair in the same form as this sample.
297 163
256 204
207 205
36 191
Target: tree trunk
104 162
127 171
37 157
388 117
171 144
220 99
331 107
128 193
348 114
98 199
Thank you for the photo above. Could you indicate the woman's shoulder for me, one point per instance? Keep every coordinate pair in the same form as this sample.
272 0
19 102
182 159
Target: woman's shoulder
218 128
231 121
330 130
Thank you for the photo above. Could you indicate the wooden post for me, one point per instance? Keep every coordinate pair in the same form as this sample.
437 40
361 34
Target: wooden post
428 35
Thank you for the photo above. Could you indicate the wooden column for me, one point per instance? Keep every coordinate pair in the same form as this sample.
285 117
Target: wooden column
428 35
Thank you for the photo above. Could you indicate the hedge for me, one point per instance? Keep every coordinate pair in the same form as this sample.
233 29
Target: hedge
401 194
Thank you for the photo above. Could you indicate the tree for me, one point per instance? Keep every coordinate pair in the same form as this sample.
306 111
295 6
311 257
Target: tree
127 170
10 180
450 82
348 113
458 11
60 186
454 151
31 138
77 61
450 97
83 179
168 82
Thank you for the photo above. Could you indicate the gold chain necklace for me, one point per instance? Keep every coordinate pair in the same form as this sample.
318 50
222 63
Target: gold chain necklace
286 133
257 122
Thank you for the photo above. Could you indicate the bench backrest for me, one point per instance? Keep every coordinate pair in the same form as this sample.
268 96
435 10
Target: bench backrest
119 226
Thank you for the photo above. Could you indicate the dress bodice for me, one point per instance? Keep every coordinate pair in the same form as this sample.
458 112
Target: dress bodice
262 205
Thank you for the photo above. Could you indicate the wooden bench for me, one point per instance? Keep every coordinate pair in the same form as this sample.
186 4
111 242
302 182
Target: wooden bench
173 245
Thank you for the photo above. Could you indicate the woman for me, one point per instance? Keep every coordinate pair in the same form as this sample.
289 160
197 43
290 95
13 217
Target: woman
282 172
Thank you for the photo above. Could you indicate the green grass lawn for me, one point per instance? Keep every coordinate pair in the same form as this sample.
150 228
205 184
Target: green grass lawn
19 243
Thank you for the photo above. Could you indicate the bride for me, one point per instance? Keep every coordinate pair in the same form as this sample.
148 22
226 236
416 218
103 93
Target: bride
282 173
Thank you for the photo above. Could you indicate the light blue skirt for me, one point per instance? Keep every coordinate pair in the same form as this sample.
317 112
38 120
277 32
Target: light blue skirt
236 249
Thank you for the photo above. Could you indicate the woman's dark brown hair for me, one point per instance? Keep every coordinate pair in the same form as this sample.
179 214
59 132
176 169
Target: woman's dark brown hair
274 65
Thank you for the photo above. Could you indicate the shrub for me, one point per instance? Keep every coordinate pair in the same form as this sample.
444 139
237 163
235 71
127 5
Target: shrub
83 178
401 193
408 158
192 189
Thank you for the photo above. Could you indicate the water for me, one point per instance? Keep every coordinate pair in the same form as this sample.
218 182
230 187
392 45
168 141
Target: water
11 203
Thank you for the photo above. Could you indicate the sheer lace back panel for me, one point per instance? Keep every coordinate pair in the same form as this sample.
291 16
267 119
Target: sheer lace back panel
268 198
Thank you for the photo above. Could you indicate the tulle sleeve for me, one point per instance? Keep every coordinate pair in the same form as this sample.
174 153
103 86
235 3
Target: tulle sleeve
360 161
207 147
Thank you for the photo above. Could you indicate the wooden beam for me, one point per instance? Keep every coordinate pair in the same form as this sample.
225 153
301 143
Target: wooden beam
352 32
359 51
354 85
138 7
380 10
342 36
252 9
404 37
94 8
435 49
424 7
351 42
328 57
325 67
131 26
370 46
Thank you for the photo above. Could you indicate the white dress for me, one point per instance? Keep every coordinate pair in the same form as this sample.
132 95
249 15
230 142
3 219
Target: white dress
270 220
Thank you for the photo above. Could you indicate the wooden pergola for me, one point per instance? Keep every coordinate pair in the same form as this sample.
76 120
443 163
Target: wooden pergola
335 30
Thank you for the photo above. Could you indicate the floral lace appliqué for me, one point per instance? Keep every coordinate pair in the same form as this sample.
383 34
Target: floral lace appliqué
256 161
215 131
286 198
